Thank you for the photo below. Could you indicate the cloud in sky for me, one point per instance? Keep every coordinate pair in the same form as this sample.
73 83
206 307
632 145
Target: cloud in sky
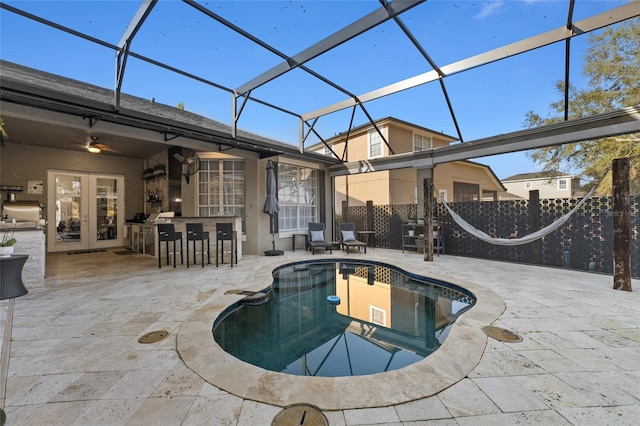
490 8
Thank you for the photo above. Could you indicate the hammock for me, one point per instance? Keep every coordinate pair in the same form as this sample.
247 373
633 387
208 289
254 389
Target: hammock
515 241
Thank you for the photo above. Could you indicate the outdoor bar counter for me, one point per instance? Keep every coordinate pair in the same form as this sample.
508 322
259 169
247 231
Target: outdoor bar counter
30 241
144 236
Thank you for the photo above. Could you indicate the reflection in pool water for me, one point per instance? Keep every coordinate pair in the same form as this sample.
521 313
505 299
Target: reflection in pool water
386 319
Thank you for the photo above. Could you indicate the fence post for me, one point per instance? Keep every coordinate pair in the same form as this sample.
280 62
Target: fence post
428 219
534 224
345 209
621 225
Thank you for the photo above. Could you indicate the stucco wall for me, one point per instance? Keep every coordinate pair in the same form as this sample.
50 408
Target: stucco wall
401 139
257 238
446 174
362 188
254 172
20 163
402 188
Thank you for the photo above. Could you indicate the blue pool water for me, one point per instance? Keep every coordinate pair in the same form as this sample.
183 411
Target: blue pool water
386 319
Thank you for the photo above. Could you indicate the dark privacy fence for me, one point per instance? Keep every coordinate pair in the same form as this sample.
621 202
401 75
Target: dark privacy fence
585 242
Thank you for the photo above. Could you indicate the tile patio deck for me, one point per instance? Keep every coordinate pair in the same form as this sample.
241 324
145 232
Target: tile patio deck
75 358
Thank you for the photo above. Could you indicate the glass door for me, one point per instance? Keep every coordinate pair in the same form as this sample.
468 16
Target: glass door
106 191
67 219
83 211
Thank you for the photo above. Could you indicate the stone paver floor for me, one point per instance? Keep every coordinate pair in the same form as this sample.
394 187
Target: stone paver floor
75 358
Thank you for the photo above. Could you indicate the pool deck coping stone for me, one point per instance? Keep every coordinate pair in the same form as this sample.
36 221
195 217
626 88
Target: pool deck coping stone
450 363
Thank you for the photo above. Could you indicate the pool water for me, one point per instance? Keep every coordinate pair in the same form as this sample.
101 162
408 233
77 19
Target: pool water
386 319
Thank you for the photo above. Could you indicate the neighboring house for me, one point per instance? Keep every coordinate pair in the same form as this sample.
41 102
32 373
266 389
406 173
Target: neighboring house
455 181
550 184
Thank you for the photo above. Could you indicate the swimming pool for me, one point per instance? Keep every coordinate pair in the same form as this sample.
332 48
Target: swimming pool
386 319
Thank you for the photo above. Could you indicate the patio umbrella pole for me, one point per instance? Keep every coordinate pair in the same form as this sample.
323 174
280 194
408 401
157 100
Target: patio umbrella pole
271 207
273 251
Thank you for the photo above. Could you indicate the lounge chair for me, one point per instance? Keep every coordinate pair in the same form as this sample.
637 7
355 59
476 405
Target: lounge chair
317 238
348 239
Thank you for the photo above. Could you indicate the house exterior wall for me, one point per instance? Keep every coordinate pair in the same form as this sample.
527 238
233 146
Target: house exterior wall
400 139
362 188
383 188
257 237
402 186
358 147
548 188
22 162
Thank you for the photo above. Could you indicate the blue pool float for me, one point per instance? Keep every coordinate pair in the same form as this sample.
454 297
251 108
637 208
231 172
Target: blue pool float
334 300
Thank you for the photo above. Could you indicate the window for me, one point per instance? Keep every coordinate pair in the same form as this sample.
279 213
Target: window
463 192
324 150
298 197
221 188
488 195
562 184
420 143
377 316
527 185
375 144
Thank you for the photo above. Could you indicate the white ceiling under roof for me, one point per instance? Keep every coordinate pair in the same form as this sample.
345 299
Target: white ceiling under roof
268 66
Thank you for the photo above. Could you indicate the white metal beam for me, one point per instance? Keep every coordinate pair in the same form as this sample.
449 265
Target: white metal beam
595 22
125 44
358 27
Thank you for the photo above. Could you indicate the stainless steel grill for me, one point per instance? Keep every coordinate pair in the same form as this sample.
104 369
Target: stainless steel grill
22 211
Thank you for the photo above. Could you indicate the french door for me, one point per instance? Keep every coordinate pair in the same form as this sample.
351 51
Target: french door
84 211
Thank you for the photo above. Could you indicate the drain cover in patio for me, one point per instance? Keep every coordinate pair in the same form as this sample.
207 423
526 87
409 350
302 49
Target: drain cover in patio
153 337
501 334
300 414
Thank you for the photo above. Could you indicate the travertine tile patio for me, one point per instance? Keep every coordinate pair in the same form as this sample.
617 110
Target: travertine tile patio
75 358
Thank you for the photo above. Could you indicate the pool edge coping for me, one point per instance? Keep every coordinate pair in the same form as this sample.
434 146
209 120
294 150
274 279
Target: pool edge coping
458 355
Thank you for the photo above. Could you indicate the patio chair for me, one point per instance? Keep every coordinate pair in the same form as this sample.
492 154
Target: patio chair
225 232
196 232
168 233
317 238
347 237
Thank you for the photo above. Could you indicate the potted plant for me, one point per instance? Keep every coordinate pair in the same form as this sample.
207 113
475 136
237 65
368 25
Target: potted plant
159 169
7 242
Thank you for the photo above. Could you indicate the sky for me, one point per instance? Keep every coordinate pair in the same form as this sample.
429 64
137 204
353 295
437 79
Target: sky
488 100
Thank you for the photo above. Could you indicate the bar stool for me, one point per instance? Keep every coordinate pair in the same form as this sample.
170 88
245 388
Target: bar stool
225 232
195 232
167 233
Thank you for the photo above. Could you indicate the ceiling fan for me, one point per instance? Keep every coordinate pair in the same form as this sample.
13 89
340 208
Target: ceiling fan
94 147
190 162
